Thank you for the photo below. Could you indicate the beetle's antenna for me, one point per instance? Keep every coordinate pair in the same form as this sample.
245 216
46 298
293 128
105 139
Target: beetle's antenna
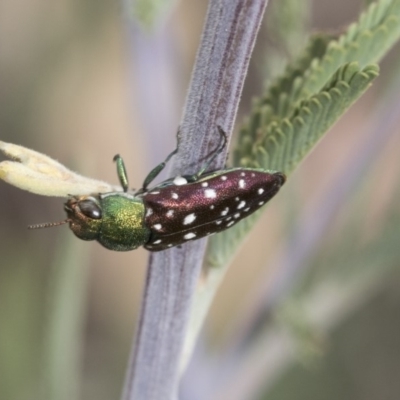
48 224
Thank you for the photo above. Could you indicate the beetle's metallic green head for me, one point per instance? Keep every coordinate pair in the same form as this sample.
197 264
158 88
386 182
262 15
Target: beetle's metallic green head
115 220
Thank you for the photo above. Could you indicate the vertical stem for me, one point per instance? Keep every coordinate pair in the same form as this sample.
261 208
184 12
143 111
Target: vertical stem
228 38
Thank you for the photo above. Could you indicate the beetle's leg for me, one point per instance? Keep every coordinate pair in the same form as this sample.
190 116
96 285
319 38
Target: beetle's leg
212 155
121 172
155 171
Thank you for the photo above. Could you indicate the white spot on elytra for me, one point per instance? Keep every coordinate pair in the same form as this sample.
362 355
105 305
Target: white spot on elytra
154 192
189 235
157 226
204 184
230 224
170 213
224 178
253 174
170 245
149 212
241 205
242 174
260 191
246 209
237 198
228 219
261 203
212 207
210 193
189 219
174 196
157 241
242 183
218 222
179 181
237 215
223 213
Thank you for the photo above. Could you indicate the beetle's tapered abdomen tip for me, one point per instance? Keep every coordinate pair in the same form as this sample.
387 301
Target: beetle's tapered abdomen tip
281 176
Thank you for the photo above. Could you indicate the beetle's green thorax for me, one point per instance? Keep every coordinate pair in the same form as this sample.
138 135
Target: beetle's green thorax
113 219
123 222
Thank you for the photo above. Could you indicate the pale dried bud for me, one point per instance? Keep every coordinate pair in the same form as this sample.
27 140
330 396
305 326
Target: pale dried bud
40 174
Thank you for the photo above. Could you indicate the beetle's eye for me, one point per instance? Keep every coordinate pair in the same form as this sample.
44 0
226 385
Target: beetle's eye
90 209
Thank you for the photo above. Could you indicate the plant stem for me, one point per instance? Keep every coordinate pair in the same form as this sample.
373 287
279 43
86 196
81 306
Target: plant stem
222 61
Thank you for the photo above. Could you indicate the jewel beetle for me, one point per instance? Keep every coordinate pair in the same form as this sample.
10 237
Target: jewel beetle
175 211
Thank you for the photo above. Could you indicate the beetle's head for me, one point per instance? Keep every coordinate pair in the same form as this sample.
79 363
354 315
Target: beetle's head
84 216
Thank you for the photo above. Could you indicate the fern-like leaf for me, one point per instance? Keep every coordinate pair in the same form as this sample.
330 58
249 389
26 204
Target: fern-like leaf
366 41
307 100
281 146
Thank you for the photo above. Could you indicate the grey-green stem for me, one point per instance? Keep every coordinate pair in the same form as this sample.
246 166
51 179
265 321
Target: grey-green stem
222 61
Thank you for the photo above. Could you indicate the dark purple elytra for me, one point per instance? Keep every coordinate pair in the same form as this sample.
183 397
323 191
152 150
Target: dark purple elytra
180 211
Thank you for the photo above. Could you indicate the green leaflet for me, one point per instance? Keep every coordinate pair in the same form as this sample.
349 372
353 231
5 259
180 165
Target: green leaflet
299 107
281 146
365 42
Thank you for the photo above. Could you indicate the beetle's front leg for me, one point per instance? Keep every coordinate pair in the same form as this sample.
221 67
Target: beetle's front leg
155 172
121 172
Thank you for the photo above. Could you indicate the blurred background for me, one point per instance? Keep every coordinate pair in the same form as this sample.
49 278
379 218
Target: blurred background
80 81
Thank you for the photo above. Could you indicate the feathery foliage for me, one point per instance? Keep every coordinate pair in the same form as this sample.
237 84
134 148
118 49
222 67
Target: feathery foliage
299 107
